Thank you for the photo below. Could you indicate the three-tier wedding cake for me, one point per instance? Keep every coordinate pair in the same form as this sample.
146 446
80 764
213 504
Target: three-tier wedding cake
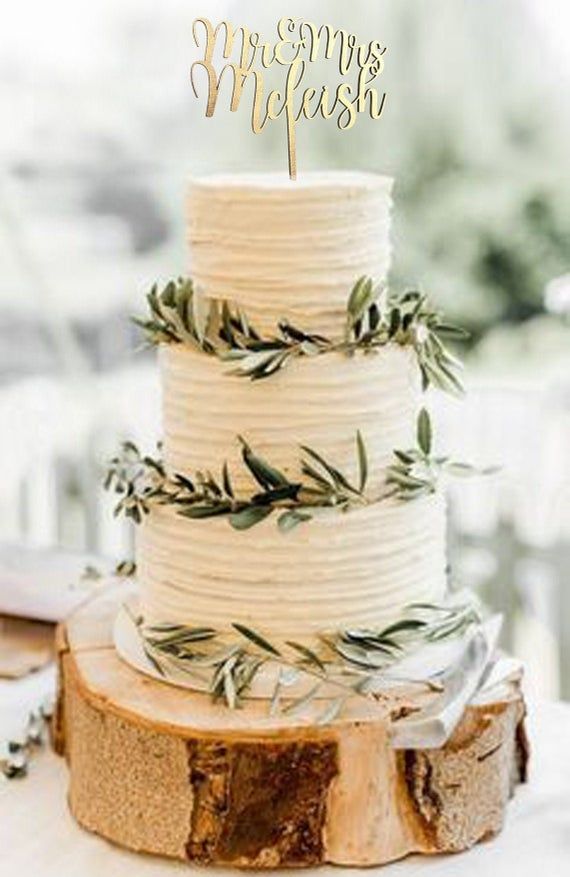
291 677
291 253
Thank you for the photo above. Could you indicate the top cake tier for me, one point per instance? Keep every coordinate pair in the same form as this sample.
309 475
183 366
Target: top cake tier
289 250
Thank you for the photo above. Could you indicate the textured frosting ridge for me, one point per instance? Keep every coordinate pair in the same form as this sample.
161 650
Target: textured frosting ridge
289 250
319 401
293 251
341 570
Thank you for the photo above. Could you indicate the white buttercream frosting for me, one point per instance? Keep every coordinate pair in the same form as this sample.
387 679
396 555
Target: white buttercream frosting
337 571
319 402
285 249
293 251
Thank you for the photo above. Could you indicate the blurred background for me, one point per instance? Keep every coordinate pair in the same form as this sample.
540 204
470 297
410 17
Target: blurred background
100 133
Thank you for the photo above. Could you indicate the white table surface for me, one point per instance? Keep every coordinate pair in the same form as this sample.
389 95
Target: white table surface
38 837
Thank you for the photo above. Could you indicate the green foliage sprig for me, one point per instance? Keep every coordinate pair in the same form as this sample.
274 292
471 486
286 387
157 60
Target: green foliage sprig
350 663
416 471
140 480
420 624
179 314
374 319
407 319
20 753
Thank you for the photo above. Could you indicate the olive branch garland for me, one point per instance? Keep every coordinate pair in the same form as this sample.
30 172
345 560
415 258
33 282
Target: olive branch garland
179 314
351 661
141 480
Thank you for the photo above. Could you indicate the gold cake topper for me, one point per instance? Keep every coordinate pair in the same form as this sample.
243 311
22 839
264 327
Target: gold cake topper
300 43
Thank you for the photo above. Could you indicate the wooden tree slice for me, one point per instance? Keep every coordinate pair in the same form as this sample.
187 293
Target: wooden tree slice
164 770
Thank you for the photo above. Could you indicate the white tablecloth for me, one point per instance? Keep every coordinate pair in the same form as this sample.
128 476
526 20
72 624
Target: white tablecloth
38 837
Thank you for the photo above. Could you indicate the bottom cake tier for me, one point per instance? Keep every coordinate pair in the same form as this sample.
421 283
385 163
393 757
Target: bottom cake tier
163 770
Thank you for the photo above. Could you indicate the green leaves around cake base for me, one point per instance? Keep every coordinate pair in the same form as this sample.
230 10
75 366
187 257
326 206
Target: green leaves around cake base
329 671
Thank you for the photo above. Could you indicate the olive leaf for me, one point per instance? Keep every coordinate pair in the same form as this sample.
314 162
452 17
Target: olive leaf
300 704
255 638
307 654
360 299
264 474
331 711
286 676
336 476
424 432
226 481
249 516
362 462
288 520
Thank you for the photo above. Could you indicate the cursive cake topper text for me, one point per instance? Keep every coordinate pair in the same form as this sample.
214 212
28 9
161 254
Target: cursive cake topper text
300 43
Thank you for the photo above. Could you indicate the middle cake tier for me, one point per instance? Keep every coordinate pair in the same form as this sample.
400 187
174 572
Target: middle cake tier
317 401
